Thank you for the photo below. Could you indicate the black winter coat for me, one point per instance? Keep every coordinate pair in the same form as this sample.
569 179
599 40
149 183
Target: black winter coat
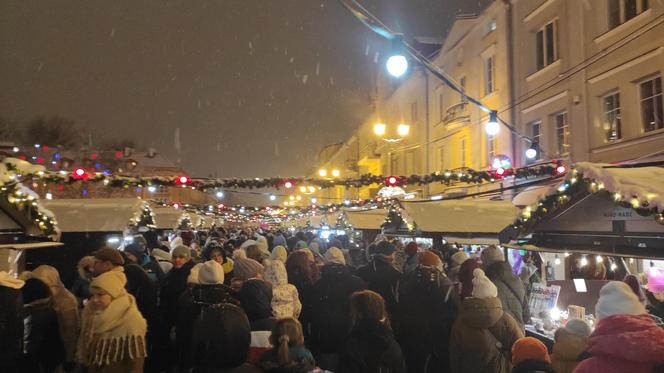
43 349
190 306
371 348
11 328
382 278
330 317
143 289
428 307
172 288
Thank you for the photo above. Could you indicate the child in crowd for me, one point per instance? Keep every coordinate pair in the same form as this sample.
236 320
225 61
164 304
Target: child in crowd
288 350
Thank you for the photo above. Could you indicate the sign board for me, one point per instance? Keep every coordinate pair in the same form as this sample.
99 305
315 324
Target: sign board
621 213
543 298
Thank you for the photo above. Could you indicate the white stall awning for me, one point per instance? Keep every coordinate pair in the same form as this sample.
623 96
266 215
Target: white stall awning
94 215
366 219
167 217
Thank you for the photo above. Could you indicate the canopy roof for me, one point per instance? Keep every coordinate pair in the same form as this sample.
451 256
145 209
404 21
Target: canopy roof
461 215
366 219
95 215
323 220
167 217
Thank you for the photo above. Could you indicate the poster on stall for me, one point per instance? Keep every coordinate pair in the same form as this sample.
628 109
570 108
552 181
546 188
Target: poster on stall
543 298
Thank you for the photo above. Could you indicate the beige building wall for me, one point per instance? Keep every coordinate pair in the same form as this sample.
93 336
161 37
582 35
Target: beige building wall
574 85
475 55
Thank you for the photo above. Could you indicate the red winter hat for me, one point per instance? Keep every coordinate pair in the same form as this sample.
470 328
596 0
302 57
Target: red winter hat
529 348
411 248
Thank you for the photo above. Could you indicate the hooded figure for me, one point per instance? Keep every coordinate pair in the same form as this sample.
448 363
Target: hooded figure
81 287
43 349
483 334
285 299
457 260
65 306
381 276
329 296
279 253
256 300
570 342
511 290
112 330
529 355
625 338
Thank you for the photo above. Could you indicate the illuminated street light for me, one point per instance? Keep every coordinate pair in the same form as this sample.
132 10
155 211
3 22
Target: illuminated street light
397 65
336 173
322 172
492 127
403 130
379 129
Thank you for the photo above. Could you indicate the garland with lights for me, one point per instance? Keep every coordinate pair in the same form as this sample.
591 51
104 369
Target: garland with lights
343 224
397 220
204 184
145 219
184 222
27 202
575 187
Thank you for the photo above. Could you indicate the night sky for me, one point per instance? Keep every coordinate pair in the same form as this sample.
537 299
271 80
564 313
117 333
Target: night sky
256 87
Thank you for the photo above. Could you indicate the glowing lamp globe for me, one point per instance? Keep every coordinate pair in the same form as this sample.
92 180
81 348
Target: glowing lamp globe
492 128
531 153
397 65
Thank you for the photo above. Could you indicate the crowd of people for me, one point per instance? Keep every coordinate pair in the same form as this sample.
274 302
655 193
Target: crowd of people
247 301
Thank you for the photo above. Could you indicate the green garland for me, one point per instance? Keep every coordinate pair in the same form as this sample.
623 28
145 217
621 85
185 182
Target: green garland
29 205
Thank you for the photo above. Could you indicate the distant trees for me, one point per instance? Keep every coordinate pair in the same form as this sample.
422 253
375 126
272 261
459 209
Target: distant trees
54 131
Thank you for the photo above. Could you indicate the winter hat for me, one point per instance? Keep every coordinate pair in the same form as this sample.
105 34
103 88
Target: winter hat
107 254
181 252
529 348
430 259
385 248
458 258
577 327
465 276
193 275
177 241
211 273
617 298
491 255
248 243
300 245
135 249
245 268
634 284
334 255
35 289
279 253
239 254
411 248
112 282
482 286
160 254
7 280
275 273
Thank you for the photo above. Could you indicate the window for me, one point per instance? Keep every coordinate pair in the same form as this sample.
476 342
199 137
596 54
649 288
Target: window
536 137
611 116
462 150
490 27
394 167
621 11
651 104
462 83
489 75
441 158
547 44
562 132
413 112
441 106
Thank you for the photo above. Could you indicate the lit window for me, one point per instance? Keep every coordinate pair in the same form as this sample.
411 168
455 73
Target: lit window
462 150
562 133
491 147
547 44
611 116
651 104
489 75
536 137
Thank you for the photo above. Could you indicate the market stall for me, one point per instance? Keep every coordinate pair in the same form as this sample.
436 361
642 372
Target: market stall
89 224
362 224
167 218
600 223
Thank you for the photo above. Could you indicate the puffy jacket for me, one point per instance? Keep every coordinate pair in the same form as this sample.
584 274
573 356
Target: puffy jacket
511 291
371 348
482 337
285 298
624 343
172 288
43 349
566 351
330 319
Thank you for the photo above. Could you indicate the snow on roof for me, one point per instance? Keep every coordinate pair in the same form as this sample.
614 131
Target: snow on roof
461 215
327 220
167 217
644 183
95 215
366 219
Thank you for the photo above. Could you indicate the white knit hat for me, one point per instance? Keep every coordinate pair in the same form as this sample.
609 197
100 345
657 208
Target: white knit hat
491 255
482 286
112 282
210 273
617 298
193 274
459 257
334 255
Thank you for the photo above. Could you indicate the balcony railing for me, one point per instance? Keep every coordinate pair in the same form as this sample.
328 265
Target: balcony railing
457 113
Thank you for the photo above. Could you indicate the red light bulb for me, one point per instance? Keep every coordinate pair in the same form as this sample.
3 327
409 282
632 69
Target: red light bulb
79 172
500 171
561 169
288 184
